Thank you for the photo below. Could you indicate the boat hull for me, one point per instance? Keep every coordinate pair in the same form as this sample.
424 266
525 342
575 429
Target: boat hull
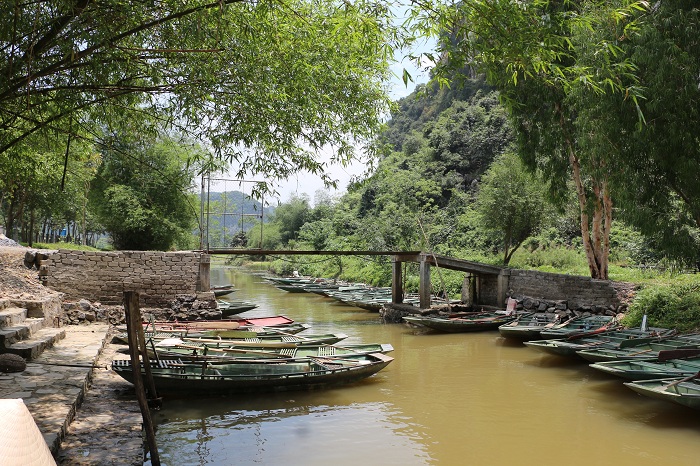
460 324
677 390
255 377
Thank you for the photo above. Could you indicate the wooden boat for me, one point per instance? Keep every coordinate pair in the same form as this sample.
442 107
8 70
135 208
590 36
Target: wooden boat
271 338
192 350
234 323
649 369
681 390
641 348
528 326
222 290
594 339
465 322
578 325
229 308
210 379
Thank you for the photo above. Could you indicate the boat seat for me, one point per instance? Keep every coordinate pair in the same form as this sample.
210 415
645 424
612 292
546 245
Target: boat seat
288 352
290 339
326 351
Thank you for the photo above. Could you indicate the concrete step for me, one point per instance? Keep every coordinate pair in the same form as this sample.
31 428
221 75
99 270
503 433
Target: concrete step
11 316
32 347
22 331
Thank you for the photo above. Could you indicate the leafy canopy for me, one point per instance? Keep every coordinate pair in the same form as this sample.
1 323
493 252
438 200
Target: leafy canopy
262 83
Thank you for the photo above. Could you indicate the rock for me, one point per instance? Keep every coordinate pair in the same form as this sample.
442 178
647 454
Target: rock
29 258
85 305
12 363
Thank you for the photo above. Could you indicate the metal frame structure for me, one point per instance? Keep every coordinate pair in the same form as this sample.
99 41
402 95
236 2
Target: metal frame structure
206 213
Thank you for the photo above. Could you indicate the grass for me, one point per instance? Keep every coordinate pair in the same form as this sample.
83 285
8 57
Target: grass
63 245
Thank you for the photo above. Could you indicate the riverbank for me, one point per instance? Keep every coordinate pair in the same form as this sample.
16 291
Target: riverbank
86 413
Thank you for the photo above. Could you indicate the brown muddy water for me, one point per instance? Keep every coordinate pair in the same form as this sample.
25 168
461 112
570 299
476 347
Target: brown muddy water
450 399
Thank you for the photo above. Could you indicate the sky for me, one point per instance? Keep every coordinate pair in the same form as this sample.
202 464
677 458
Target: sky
306 183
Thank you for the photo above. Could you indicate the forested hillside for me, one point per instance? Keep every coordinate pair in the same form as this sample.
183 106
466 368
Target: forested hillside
446 181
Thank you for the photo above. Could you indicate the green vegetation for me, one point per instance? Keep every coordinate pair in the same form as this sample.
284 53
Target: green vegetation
263 86
64 245
557 136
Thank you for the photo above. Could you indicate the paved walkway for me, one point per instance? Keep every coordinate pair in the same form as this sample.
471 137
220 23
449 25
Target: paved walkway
107 425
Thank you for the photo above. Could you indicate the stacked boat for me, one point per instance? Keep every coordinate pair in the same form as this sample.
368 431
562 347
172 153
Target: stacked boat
655 362
250 355
360 295
463 321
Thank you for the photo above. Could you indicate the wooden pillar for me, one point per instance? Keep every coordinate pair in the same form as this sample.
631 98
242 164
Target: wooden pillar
204 275
424 291
396 280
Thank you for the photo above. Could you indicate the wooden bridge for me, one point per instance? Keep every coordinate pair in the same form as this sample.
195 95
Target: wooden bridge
483 284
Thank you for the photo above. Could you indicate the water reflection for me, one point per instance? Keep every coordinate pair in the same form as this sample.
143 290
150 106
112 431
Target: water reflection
449 399
279 430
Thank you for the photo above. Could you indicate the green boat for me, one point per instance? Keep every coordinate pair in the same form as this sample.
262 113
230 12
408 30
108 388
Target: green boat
681 390
191 350
528 326
641 348
578 325
222 290
596 339
466 322
229 308
204 379
649 369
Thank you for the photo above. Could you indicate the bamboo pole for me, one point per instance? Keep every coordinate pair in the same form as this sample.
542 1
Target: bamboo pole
133 322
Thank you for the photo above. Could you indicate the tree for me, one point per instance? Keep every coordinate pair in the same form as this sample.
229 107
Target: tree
291 216
511 203
543 60
141 194
265 84
656 163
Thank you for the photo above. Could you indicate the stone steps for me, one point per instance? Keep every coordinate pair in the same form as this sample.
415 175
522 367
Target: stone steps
12 316
33 346
26 336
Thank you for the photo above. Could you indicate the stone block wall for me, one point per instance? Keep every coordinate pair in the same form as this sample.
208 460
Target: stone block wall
104 276
542 291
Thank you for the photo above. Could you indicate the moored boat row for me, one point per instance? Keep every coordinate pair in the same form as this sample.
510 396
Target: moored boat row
242 356
655 362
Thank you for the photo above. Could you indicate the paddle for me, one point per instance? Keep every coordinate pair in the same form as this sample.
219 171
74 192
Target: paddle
642 341
597 331
234 350
665 355
679 381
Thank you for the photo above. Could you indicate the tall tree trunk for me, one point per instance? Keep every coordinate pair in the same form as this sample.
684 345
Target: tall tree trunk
30 236
595 232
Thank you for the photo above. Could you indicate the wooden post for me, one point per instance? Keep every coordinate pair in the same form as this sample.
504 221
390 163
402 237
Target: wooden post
396 279
133 323
424 291
204 275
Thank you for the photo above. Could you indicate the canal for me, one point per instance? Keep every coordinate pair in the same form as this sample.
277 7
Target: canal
450 399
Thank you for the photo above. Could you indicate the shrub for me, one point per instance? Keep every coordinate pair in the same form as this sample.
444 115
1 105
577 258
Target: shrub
675 305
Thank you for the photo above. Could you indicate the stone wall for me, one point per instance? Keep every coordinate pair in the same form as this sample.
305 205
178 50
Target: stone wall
104 276
543 291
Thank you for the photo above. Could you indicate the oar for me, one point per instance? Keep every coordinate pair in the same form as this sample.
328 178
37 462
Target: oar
639 352
235 350
641 341
597 331
679 381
